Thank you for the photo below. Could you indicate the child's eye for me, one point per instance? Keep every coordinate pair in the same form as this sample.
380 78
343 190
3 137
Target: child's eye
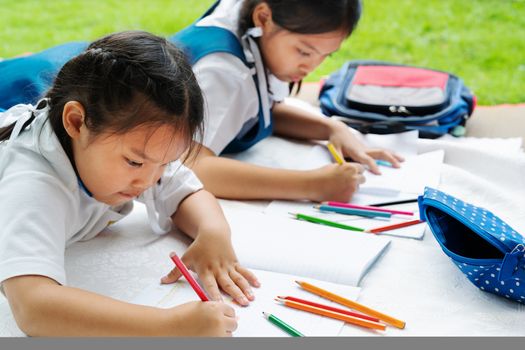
133 163
303 53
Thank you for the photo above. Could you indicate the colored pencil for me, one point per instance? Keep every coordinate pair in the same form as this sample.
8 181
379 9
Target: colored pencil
283 325
352 211
335 315
337 157
367 207
394 226
331 308
315 220
184 270
383 163
403 201
351 304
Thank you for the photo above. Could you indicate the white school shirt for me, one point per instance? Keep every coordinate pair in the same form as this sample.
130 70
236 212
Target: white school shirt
43 209
230 94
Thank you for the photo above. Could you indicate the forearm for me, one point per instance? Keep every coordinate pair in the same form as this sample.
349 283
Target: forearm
290 121
229 178
44 308
189 216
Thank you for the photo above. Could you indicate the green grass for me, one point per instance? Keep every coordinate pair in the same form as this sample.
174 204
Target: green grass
482 41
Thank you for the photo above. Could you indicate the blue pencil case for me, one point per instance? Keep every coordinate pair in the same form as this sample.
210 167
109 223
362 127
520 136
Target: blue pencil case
487 250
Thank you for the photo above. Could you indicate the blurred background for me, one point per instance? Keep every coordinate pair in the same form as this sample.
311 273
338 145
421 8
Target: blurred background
481 41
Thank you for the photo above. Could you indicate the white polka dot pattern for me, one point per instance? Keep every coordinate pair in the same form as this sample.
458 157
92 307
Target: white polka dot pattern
504 276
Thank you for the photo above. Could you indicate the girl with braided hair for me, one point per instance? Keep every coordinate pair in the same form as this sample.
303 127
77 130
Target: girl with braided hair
111 129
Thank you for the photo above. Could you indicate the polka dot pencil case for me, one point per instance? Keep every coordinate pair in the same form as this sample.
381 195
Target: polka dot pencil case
487 250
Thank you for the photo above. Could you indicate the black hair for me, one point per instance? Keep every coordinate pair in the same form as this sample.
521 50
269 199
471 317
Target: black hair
306 16
125 80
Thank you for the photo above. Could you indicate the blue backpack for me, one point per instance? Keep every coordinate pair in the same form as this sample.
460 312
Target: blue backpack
384 98
26 79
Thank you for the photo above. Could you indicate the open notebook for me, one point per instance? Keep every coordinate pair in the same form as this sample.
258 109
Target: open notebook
251 322
273 243
280 251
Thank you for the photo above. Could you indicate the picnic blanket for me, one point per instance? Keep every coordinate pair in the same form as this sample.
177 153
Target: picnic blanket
413 280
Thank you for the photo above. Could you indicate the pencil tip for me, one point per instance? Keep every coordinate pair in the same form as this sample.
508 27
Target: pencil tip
298 282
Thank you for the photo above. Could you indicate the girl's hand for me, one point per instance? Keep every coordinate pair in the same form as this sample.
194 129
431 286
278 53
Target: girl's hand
198 319
349 146
212 257
336 182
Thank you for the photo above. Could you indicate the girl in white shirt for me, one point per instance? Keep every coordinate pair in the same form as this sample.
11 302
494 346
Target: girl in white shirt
282 41
110 130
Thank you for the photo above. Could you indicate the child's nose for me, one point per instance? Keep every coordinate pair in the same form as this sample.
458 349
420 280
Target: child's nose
145 180
309 65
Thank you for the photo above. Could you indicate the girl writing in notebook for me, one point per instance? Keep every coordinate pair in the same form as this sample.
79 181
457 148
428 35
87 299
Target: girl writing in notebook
110 130
245 54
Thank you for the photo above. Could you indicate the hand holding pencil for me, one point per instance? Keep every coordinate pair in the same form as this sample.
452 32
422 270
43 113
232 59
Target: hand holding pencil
344 143
334 181
216 269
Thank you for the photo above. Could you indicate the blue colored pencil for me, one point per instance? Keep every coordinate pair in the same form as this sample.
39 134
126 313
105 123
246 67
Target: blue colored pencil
350 211
383 163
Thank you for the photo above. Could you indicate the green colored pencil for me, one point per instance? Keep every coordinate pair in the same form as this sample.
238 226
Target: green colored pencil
326 222
283 325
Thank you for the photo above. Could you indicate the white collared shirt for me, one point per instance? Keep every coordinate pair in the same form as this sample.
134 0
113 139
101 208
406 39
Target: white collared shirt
231 100
43 209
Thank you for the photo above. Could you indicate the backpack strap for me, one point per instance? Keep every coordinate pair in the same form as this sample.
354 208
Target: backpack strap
199 41
24 80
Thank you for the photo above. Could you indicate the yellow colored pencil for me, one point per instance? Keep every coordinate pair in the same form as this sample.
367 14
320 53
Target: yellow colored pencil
351 304
338 158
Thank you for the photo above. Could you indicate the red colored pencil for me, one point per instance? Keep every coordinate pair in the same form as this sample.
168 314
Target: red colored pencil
368 207
394 226
184 270
351 304
332 314
331 308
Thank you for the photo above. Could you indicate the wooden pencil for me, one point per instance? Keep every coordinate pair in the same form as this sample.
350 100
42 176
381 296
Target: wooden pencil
338 158
331 308
351 304
394 226
332 314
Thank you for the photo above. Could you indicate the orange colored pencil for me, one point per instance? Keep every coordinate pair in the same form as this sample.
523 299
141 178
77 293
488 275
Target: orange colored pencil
330 308
351 304
332 314
394 226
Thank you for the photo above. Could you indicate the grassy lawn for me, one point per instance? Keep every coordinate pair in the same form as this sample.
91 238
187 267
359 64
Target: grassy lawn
482 41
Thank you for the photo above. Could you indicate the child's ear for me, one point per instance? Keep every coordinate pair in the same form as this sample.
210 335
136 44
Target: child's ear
262 16
73 118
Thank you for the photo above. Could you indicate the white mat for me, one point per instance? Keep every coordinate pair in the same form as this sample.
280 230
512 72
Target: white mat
413 281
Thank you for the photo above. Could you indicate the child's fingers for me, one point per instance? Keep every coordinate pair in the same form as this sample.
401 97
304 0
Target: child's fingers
370 163
242 283
250 276
210 285
231 325
229 286
391 157
171 277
